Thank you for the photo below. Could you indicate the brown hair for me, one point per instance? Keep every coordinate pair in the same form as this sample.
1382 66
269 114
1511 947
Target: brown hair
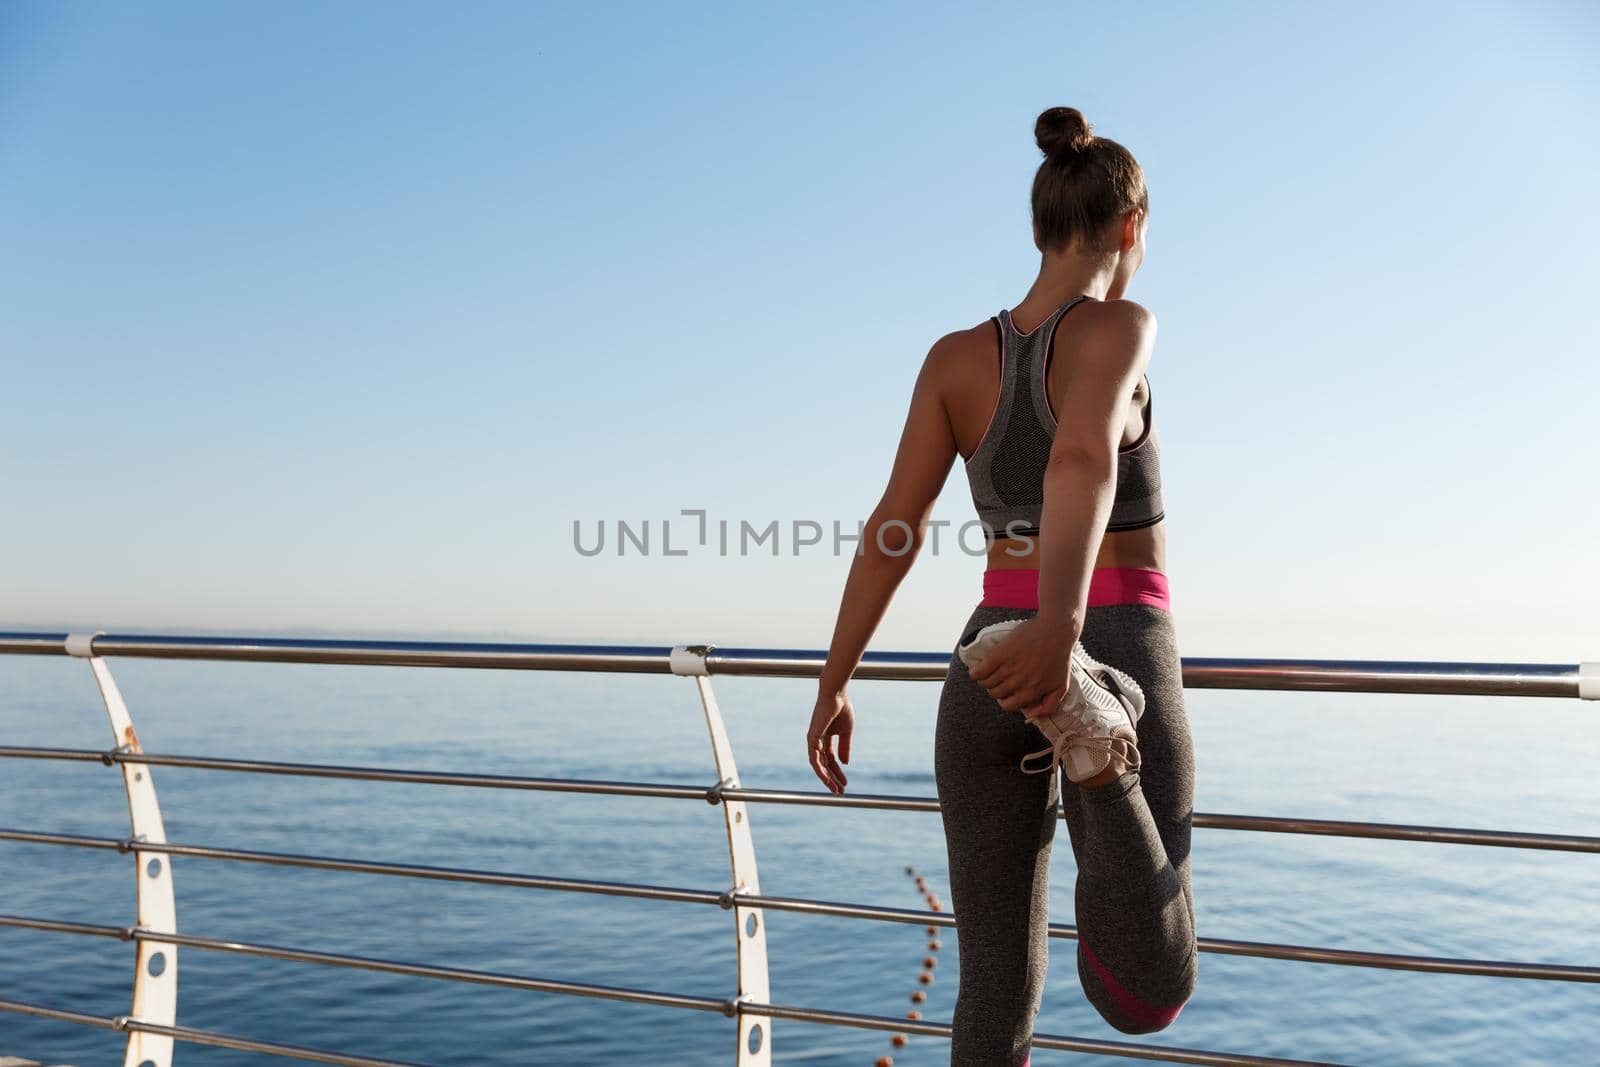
1084 182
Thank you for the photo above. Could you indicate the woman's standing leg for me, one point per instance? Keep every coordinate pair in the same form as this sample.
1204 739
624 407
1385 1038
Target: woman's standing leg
1135 903
999 826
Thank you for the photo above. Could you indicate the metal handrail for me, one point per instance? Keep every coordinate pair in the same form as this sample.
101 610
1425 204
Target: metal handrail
159 936
1349 676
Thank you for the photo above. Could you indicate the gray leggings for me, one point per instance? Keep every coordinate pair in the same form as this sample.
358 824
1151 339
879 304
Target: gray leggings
1135 908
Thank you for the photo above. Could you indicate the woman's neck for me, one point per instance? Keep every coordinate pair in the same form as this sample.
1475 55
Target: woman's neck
1063 276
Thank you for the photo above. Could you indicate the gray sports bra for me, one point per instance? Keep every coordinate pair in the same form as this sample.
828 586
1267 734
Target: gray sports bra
1006 470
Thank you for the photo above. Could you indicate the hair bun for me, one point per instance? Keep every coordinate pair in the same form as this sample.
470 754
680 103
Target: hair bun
1062 132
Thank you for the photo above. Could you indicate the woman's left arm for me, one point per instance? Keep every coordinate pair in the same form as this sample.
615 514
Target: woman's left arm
889 544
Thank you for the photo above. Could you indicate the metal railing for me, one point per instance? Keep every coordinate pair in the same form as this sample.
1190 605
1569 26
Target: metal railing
151 1022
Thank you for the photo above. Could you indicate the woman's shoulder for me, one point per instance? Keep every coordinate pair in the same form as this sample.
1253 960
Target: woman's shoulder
1113 335
1116 316
1112 332
965 353
979 335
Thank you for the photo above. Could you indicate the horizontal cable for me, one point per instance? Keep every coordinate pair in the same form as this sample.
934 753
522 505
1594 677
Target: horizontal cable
38 837
613 992
55 926
1261 949
373 774
245 1044
449 974
1447 835
403 870
86 755
725 1007
1124 1049
1203 820
778 1011
200 1037
1553 972
17 1007
880 801
1356 676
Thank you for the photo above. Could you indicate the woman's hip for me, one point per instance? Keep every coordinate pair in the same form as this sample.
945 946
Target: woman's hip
1108 587
1139 639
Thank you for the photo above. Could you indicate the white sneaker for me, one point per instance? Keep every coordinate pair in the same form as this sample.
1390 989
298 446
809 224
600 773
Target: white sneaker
1095 722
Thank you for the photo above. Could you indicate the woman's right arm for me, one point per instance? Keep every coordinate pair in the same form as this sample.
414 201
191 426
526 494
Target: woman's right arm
1027 671
890 542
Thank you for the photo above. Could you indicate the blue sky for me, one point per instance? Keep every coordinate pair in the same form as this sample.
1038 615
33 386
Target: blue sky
336 317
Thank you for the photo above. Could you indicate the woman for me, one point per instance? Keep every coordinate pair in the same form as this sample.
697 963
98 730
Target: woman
1049 406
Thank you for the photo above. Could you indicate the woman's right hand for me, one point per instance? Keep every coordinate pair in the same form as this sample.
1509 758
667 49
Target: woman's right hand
832 717
1027 670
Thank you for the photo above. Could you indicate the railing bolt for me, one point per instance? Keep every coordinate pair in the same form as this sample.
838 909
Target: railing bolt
714 794
725 899
730 1007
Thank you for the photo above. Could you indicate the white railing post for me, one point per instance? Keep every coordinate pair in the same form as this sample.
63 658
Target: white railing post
155 974
750 926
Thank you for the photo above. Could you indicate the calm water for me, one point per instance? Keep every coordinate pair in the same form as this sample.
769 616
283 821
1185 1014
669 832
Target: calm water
1504 764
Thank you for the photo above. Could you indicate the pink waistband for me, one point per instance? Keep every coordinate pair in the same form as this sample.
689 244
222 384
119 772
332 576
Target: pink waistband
1107 585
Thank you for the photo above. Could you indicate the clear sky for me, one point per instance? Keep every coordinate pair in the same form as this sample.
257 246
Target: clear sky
337 317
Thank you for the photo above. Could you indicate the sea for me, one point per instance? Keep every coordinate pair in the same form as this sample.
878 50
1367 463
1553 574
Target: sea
1530 764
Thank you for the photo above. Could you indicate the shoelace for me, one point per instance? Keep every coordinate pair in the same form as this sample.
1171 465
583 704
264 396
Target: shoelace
1120 747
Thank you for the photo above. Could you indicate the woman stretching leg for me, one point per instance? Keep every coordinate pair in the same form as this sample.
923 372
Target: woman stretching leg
1130 837
1062 456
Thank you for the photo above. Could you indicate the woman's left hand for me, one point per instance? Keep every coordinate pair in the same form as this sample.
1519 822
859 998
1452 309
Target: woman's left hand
1027 671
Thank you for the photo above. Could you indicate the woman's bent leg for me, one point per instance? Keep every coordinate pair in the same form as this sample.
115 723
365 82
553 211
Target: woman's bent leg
999 825
1135 905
